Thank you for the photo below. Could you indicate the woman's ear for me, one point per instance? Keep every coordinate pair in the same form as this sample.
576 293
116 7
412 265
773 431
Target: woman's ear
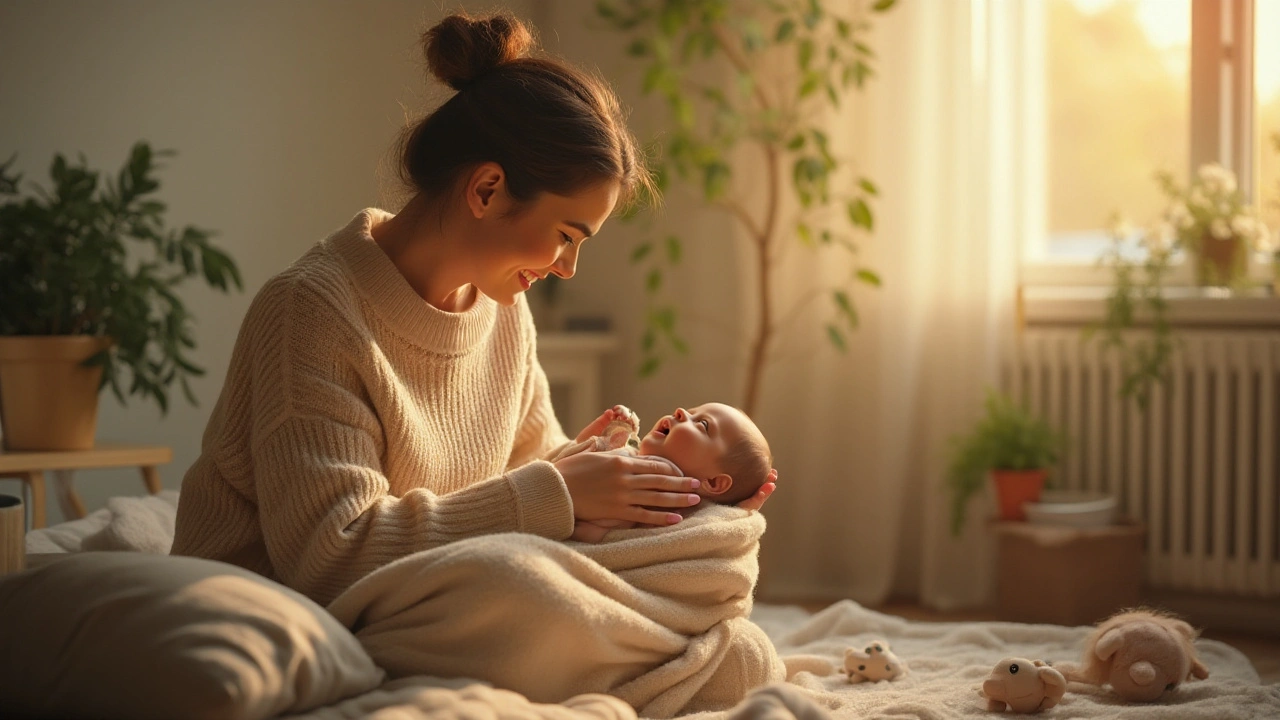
717 484
483 186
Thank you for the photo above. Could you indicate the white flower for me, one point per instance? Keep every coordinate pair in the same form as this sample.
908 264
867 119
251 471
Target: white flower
1197 199
1229 183
1217 179
1219 229
1243 225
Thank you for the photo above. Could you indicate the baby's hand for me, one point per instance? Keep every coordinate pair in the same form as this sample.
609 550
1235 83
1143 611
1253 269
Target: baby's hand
617 412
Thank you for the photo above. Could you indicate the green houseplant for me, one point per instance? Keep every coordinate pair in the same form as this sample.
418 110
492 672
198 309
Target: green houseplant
90 273
748 87
1011 445
1208 222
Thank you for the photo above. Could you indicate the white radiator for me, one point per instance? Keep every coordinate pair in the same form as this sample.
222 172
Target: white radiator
1200 467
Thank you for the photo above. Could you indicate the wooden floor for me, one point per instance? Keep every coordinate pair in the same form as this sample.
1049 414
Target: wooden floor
1263 652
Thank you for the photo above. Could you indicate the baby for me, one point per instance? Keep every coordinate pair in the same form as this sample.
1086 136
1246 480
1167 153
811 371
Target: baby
715 443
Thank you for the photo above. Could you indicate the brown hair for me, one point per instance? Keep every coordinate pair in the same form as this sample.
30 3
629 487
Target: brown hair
748 462
552 127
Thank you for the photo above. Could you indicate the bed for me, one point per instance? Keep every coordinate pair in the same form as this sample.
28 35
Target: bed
309 665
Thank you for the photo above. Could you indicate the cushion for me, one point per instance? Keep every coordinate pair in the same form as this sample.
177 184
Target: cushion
132 635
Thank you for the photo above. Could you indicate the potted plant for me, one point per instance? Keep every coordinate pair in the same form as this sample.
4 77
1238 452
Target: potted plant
83 307
1012 446
1208 222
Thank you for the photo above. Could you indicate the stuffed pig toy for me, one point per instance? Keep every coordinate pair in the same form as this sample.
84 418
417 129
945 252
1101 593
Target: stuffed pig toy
1140 654
1025 686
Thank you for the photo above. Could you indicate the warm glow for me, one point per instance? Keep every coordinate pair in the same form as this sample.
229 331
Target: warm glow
1118 96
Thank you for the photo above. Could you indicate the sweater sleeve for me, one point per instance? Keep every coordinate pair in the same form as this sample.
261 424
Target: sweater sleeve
328 520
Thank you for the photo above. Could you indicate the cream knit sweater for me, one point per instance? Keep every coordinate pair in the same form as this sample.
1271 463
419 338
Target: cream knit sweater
358 424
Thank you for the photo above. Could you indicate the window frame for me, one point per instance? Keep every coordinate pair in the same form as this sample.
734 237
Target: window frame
1223 129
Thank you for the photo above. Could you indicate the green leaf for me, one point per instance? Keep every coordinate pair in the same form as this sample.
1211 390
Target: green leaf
883 5
606 9
846 308
859 213
842 28
805 53
674 249
650 366
836 337
805 234
641 251
715 180
796 142
868 276
868 187
810 84
673 17
638 48
786 30
653 281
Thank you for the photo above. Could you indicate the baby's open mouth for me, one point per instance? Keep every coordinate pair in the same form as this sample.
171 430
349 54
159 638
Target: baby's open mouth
664 427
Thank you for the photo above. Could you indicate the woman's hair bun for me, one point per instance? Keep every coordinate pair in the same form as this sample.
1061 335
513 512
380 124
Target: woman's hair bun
460 49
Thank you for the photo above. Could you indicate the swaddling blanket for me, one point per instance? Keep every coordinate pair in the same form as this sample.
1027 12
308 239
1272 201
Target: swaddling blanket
654 616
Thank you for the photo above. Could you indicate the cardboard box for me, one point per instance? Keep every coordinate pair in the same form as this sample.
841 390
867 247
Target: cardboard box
1067 575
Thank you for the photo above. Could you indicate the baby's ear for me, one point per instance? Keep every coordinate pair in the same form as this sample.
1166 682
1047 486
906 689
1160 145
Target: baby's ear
717 484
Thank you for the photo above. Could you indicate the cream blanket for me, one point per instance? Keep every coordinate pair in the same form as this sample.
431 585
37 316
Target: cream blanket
656 617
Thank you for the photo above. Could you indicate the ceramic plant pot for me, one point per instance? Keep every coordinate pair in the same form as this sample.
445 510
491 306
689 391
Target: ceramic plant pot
1015 487
48 397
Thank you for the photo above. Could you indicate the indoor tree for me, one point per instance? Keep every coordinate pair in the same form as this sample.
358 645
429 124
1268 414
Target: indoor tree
748 87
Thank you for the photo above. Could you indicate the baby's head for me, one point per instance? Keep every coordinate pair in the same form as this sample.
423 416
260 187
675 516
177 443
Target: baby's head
717 444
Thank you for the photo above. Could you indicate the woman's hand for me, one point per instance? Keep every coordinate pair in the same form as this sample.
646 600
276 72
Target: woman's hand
755 502
605 486
598 425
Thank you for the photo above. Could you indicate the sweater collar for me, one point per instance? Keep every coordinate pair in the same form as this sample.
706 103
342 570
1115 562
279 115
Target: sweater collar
396 303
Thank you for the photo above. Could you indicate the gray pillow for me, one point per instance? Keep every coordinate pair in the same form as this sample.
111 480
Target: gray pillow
131 635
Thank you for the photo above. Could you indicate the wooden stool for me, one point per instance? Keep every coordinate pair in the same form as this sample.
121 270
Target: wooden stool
29 467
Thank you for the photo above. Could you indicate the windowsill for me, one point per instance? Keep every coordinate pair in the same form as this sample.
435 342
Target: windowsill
1188 306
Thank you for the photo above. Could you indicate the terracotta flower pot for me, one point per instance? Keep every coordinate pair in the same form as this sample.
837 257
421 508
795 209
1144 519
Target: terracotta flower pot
1015 487
48 398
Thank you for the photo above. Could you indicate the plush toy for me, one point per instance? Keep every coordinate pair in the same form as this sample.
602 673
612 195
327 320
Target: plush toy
621 431
1141 654
1025 686
877 662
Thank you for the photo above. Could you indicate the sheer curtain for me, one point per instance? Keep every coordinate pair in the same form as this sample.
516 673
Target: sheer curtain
863 451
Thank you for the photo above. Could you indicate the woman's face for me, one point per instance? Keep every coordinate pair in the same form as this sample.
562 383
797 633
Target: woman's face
515 250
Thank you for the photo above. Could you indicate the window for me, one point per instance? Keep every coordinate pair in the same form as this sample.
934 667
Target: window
1267 87
1135 86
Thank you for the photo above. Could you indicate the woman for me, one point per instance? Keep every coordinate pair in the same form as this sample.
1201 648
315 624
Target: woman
384 395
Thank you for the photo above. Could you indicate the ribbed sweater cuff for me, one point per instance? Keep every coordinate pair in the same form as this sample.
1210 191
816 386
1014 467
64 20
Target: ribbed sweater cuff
543 505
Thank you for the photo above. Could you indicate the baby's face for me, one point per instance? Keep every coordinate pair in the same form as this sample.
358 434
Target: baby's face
696 439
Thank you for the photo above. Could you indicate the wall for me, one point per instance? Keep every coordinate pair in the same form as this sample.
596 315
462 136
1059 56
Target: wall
282 114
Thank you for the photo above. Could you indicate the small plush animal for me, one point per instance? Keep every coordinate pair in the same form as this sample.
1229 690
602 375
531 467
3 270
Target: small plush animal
876 662
1141 654
1025 686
